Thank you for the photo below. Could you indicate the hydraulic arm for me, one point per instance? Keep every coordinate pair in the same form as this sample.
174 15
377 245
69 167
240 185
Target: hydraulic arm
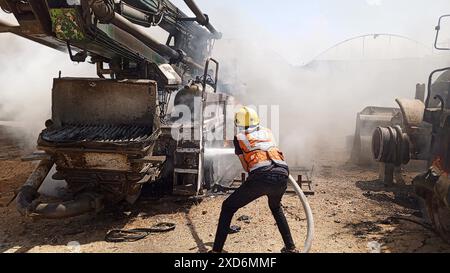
114 32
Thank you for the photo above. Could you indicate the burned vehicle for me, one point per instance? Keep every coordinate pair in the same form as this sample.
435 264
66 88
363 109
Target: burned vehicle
366 121
424 135
372 117
110 135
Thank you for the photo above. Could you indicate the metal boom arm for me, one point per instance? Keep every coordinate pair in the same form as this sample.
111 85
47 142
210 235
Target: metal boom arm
110 31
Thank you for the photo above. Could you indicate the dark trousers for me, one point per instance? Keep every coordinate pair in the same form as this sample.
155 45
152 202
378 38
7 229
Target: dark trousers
266 184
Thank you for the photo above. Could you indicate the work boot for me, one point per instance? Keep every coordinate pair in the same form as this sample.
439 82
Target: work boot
289 250
215 252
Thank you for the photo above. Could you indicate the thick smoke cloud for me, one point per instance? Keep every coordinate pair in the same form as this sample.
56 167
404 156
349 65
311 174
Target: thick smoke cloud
27 70
319 100
318 103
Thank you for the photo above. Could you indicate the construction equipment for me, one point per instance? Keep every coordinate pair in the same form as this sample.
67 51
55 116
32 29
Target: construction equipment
366 122
410 138
425 135
371 118
108 136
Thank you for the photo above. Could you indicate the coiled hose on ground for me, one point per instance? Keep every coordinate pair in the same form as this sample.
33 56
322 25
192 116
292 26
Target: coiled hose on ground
309 215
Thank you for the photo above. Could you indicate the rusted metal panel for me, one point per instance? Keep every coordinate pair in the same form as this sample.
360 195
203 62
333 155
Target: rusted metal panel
98 101
412 110
104 161
94 161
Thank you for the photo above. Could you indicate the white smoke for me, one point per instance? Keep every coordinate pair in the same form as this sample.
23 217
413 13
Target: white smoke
318 103
27 72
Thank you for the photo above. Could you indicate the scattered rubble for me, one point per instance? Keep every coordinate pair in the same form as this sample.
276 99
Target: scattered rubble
244 218
234 229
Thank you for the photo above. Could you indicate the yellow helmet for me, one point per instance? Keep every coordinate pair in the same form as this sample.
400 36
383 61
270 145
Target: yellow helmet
246 117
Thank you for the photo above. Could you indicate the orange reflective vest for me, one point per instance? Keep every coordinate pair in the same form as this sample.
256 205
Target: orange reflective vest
259 148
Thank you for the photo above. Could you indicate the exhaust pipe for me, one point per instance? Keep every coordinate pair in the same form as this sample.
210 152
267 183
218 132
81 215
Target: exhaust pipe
28 205
83 204
29 191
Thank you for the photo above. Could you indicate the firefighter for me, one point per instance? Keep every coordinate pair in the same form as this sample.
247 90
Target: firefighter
268 176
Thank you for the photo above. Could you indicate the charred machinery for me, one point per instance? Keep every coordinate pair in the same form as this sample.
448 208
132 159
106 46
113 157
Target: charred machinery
108 136
424 134
371 118
366 121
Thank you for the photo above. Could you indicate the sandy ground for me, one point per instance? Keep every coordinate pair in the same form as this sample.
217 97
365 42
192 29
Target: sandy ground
353 213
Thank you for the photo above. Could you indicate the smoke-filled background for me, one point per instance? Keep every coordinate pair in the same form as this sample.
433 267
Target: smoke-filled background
319 61
26 73
275 53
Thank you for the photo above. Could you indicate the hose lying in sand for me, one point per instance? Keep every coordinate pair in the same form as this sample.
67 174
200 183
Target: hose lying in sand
133 235
309 215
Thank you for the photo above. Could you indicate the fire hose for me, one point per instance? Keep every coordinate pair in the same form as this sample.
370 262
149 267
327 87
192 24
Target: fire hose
133 235
298 191
309 215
